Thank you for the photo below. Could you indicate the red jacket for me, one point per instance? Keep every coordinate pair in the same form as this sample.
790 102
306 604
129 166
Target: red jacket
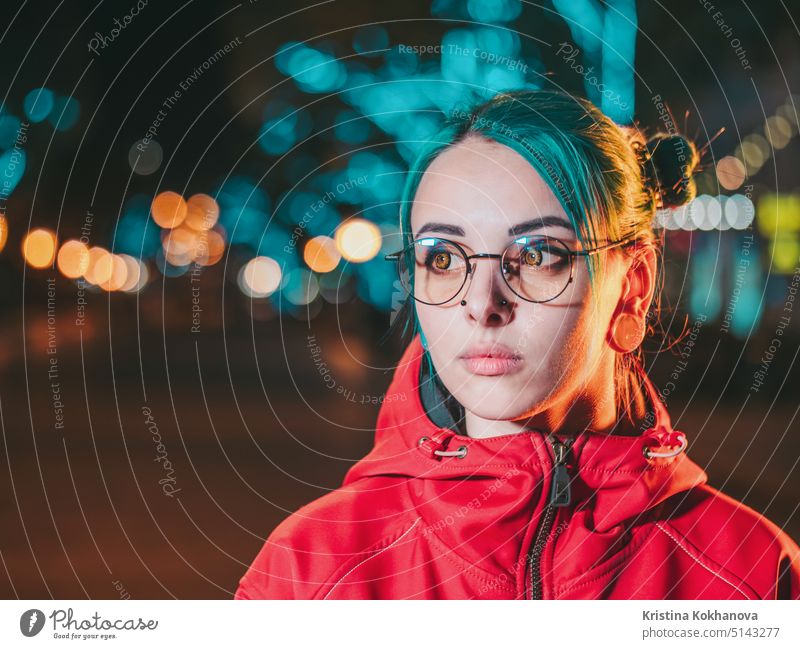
508 521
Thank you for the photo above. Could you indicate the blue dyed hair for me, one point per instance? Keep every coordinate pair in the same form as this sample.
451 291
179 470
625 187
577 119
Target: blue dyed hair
608 178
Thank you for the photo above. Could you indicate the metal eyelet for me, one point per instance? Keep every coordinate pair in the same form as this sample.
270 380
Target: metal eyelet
655 454
422 440
460 453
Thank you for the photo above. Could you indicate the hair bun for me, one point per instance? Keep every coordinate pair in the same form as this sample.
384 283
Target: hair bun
668 164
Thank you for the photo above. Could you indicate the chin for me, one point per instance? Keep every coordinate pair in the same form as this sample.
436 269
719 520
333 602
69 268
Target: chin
499 403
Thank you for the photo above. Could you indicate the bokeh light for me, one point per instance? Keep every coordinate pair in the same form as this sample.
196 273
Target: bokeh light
321 254
118 273
754 152
133 270
358 240
64 113
301 287
73 259
138 274
39 247
3 231
9 128
180 245
169 209
37 104
314 71
730 172
202 212
145 157
210 247
778 131
100 267
260 277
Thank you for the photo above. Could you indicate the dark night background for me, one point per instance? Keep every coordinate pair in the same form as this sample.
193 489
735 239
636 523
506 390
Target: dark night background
250 429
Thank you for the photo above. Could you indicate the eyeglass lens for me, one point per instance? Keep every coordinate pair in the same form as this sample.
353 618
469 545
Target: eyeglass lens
536 268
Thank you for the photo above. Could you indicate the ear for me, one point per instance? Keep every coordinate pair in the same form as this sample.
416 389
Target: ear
639 283
628 322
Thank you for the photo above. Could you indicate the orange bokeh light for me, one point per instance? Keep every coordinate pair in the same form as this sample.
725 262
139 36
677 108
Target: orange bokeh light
101 266
39 247
169 209
210 248
118 275
73 259
321 254
3 231
133 277
180 245
202 212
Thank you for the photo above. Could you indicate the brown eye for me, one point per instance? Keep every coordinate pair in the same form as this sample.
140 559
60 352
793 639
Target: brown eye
531 257
441 261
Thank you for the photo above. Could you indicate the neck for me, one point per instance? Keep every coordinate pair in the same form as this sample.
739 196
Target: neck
592 409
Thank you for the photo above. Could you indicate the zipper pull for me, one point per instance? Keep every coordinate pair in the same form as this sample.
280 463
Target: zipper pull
560 492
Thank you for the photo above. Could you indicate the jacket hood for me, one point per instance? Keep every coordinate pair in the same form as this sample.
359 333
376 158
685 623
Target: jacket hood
613 473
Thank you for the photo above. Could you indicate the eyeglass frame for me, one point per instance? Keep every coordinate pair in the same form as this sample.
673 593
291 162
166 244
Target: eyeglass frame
396 257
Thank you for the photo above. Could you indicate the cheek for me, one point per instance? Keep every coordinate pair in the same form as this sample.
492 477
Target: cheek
432 321
547 329
442 331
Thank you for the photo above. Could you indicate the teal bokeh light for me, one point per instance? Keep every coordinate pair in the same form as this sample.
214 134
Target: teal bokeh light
494 11
9 130
65 113
285 126
136 234
12 168
313 71
38 104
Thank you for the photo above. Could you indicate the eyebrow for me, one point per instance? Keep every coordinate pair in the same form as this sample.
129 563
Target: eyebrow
519 228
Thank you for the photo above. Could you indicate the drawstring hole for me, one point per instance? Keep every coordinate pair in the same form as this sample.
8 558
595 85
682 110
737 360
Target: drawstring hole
460 453
650 455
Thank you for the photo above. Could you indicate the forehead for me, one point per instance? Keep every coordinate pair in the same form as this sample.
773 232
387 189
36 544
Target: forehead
482 186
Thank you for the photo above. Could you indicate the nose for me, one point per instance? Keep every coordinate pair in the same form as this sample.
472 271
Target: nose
489 301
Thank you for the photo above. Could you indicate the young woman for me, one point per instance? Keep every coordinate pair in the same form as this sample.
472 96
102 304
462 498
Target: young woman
521 450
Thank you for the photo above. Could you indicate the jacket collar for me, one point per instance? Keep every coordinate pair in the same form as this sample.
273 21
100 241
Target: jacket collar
612 468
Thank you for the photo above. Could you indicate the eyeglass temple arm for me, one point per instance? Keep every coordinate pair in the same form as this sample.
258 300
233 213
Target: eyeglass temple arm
607 246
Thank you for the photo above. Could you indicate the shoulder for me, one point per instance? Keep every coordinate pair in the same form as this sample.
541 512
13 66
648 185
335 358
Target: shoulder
315 542
711 526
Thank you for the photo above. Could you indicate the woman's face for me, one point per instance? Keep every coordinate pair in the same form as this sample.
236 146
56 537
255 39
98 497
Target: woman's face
483 195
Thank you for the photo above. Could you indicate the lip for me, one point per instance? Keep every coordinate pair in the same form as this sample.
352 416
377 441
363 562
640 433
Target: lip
491 359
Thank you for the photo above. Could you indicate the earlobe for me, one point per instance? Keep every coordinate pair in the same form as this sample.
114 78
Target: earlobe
627 333
628 327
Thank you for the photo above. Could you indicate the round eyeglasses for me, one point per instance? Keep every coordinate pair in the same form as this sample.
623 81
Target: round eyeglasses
536 268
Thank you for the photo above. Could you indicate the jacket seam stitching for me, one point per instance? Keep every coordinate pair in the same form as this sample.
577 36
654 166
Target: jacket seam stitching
356 556
644 469
460 465
466 566
483 576
623 556
713 572
372 556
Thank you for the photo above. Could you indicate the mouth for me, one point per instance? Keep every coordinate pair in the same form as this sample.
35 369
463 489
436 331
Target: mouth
492 361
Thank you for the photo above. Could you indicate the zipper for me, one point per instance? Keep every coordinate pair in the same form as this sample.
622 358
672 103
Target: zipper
560 496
